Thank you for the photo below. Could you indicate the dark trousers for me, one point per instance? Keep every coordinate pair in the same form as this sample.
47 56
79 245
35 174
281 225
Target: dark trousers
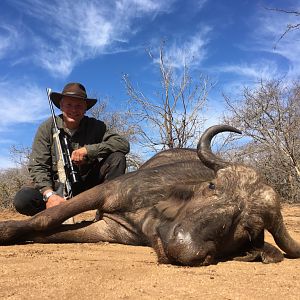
29 201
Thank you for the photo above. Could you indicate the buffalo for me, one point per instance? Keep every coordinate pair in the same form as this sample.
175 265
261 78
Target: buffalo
191 206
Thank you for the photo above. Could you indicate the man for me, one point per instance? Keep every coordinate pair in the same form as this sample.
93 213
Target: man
98 152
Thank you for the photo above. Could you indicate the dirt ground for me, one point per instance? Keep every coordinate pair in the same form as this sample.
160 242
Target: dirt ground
110 271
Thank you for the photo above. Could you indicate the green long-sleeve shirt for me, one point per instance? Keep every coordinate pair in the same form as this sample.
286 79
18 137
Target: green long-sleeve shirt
91 134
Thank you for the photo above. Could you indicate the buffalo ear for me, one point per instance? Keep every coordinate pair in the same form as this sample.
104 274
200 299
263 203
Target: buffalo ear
176 200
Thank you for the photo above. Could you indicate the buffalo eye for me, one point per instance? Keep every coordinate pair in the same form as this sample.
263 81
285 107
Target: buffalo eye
212 186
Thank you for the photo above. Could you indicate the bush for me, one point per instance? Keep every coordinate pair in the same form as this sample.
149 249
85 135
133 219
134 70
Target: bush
11 181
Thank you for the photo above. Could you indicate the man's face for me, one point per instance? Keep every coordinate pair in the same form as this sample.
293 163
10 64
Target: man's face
73 110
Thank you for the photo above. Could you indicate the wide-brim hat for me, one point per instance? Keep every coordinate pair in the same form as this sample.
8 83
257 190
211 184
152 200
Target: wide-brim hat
74 90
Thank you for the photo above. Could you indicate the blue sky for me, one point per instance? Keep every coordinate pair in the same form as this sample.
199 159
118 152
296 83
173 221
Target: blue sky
49 43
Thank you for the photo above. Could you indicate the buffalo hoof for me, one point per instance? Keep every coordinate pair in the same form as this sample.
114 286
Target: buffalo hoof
268 254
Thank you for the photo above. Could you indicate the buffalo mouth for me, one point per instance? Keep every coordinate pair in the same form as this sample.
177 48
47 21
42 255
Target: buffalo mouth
186 256
182 249
195 262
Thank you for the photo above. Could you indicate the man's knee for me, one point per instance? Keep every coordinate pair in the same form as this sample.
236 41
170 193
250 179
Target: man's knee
28 201
114 165
117 158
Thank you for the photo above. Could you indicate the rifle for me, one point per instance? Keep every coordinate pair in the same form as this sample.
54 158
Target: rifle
68 173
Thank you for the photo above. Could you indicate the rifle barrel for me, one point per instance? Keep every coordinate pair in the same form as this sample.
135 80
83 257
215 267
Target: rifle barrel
51 108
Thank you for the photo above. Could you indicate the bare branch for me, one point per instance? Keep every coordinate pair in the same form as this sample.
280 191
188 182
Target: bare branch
270 114
289 27
175 116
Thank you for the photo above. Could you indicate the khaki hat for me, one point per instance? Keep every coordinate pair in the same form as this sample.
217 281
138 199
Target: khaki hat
74 90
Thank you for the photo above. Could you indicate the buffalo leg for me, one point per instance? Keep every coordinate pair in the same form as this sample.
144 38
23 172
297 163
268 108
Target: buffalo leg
13 231
105 230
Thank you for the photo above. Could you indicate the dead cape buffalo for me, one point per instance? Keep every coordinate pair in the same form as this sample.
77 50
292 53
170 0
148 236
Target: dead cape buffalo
191 206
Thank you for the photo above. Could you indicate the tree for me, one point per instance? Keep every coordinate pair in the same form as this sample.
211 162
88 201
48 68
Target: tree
11 180
175 117
20 155
270 115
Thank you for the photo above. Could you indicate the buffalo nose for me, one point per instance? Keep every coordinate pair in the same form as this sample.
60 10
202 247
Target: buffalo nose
183 237
181 248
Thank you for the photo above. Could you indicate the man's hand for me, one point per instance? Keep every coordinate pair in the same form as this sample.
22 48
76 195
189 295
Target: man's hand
54 200
78 156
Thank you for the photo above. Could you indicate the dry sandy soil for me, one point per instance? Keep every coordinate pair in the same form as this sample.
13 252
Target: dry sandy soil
110 271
